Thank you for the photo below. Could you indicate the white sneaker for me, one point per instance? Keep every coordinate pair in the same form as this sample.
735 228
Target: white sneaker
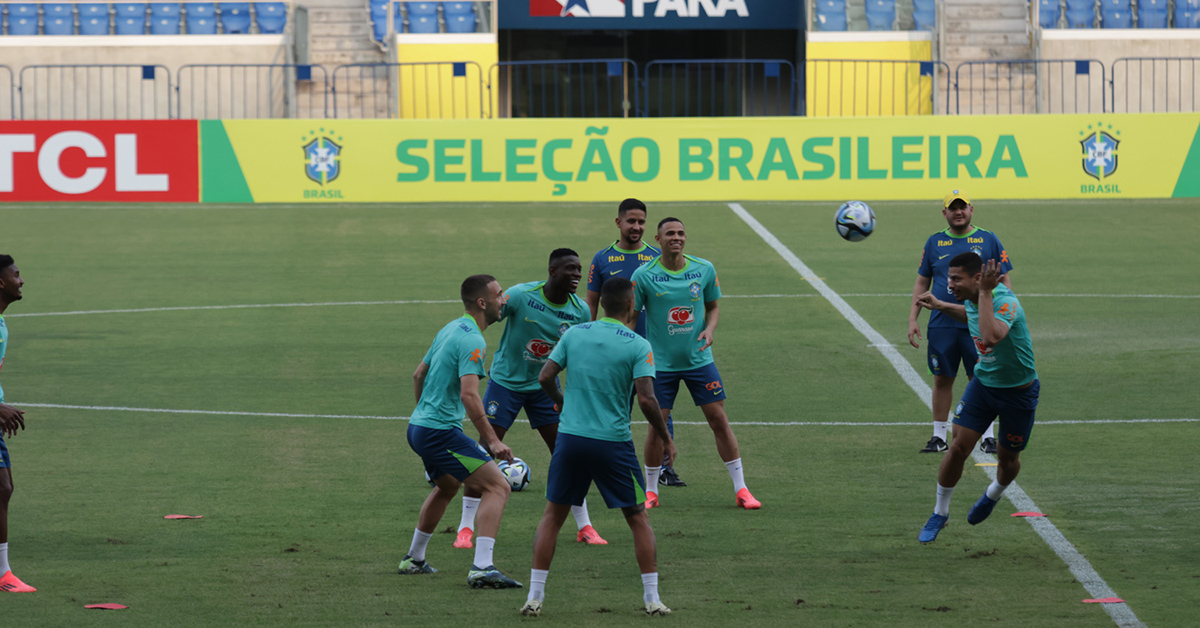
533 608
657 608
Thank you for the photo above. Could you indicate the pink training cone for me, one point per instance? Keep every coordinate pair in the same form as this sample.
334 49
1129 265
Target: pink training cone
107 607
1105 600
184 517
1027 514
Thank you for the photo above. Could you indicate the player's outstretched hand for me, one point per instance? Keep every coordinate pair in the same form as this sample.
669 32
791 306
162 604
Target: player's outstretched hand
669 451
928 301
991 275
707 337
10 419
500 451
914 333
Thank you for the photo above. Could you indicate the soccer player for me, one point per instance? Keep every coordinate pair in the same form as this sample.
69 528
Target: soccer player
620 259
446 384
949 340
1005 383
535 316
671 288
605 363
11 419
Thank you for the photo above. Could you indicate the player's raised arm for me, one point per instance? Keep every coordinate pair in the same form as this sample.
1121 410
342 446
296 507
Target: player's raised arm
991 330
957 311
419 379
650 409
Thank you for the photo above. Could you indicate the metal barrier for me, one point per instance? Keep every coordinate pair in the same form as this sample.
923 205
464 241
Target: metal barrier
8 94
409 90
866 87
721 87
251 91
1159 85
95 92
1030 86
579 88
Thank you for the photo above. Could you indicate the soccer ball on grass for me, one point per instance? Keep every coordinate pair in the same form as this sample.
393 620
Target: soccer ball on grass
854 221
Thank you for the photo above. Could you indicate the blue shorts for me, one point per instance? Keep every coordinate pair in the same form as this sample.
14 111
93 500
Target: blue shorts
502 406
703 382
446 451
579 461
5 461
946 347
981 405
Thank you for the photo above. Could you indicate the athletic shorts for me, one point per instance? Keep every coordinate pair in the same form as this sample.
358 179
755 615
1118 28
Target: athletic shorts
446 451
703 382
579 461
946 347
981 405
502 406
5 461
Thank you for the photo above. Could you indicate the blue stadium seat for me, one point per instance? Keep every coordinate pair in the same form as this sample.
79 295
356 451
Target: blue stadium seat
165 9
925 20
1048 13
458 8
235 17
831 15
58 19
93 19
271 17
131 18
1081 14
881 14
460 23
22 19
164 25
422 24
379 28
201 18
1114 18
1152 13
421 8
1187 14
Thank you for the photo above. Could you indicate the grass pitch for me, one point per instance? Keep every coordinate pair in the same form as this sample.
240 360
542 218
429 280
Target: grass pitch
305 518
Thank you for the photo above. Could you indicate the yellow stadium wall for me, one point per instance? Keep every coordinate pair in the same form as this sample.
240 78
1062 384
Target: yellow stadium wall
857 89
432 91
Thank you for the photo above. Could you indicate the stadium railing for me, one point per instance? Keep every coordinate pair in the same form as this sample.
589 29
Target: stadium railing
576 88
95 92
1155 85
8 94
1030 86
215 91
871 87
720 87
429 90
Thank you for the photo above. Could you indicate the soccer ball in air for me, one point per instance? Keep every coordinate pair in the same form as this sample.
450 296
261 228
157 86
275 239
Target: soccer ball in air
516 472
854 221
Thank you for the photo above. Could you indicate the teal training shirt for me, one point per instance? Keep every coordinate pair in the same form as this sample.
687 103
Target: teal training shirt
1009 364
602 359
532 327
457 350
674 303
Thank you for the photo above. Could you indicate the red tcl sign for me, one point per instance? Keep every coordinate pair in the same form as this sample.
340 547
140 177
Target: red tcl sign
136 160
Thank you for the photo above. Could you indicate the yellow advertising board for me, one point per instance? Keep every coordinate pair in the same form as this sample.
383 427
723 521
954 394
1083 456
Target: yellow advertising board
697 159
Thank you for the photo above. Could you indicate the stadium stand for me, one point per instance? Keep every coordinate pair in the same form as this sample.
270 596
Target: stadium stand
1081 14
235 17
1048 13
164 18
131 18
1152 14
94 19
201 18
58 19
831 15
925 15
271 17
1187 13
422 23
460 23
881 15
22 19
1116 14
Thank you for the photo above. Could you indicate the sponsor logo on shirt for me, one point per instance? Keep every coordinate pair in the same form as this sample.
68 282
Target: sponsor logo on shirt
537 350
985 354
694 290
478 355
680 319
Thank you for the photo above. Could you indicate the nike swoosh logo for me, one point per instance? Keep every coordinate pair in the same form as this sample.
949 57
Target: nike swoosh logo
529 320
613 272
944 256
659 294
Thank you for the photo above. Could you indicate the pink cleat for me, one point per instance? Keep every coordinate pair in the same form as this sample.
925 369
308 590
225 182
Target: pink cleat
589 535
651 500
747 501
13 584
464 539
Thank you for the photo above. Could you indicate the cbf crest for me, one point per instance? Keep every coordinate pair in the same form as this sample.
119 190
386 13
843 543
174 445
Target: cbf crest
1099 146
322 157
694 290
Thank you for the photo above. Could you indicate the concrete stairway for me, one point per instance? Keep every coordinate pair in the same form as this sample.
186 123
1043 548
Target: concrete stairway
341 34
990 30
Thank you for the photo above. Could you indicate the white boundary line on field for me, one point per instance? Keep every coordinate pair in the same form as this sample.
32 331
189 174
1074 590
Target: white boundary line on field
293 415
255 306
1079 566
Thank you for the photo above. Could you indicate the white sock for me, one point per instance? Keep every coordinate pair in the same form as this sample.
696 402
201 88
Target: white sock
470 505
419 543
943 500
735 474
650 588
581 515
537 584
990 433
4 568
483 551
995 490
940 429
652 479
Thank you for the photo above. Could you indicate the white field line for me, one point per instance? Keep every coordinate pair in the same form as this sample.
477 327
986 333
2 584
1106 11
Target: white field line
1079 566
294 415
253 306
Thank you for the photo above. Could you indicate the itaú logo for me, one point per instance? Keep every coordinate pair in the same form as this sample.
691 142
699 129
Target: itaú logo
121 162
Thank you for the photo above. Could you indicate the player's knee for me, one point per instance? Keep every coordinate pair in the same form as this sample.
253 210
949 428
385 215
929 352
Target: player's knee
943 381
6 487
633 514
